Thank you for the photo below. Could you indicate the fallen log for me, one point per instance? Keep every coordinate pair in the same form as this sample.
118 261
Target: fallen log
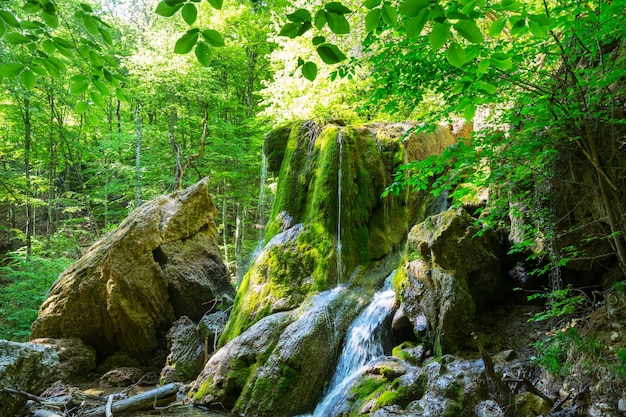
145 400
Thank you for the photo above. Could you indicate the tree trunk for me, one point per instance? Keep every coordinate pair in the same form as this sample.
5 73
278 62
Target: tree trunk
27 143
138 154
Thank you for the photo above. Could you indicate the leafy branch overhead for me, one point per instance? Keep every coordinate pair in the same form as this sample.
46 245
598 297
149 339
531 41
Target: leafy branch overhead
200 41
41 47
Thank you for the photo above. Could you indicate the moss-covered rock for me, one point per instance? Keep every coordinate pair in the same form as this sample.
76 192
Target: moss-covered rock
315 239
453 270
279 366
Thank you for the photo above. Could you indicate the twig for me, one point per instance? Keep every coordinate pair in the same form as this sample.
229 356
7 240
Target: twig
42 401
108 411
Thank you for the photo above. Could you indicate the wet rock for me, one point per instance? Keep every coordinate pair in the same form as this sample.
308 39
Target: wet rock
488 408
76 359
186 357
123 295
27 367
122 377
452 274
528 404
279 366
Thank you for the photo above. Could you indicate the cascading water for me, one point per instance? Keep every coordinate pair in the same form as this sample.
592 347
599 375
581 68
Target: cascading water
339 180
363 343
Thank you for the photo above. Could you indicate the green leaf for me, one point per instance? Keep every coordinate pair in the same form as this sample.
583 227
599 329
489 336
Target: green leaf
15 38
537 29
37 68
455 55
51 19
3 28
102 88
469 30
411 8
390 15
81 107
91 25
497 27
97 99
337 23
501 61
86 7
300 15
483 66
320 19
318 40
337 7
290 30
10 70
486 88
31 7
415 25
213 37
330 54
95 59
217 4
165 10
10 19
518 25
79 87
309 71
106 36
189 13
372 19
370 4
439 35
203 54
186 42
469 111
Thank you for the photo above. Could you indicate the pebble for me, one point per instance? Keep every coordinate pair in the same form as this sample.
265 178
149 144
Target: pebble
621 405
615 337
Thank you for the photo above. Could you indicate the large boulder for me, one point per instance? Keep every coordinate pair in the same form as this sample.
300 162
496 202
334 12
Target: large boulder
279 366
452 271
25 367
186 356
122 296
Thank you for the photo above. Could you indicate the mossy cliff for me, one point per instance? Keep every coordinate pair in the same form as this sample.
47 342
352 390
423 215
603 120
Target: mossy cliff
331 241
311 246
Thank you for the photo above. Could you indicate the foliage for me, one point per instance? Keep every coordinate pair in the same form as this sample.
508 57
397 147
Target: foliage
23 288
559 303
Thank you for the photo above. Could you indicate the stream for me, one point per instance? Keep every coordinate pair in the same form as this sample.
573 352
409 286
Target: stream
363 343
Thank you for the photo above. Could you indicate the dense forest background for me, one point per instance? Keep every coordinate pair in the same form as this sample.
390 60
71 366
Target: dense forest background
106 104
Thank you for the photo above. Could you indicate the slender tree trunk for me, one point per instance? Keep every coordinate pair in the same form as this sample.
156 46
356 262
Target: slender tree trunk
138 153
27 143
224 224
51 173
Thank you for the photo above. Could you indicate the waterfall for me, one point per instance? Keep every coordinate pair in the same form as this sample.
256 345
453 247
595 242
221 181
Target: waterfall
339 179
363 343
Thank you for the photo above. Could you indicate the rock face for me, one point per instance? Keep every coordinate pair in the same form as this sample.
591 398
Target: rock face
328 211
123 295
26 367
452 272
186 356
77 359
279 365
330 233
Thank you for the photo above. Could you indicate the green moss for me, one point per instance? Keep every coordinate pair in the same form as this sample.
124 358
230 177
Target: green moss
400 352
203 390
366 388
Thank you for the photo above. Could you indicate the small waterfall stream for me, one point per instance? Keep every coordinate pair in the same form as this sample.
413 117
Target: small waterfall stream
339 180
363 343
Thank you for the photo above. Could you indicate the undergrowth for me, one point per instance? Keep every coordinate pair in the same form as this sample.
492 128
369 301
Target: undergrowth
23 287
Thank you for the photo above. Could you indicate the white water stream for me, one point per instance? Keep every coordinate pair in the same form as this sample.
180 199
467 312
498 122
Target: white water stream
363 343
